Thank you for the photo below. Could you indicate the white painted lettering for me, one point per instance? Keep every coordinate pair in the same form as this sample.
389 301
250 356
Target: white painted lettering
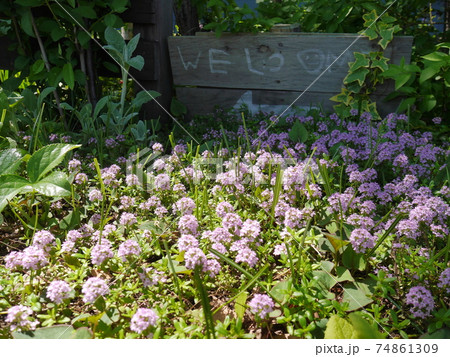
280 58
312 60
249 63
213 61
188 64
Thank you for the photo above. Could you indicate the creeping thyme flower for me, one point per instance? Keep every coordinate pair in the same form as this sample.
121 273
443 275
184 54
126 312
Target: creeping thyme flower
437 120
34 258
14 260
19 318
44 240
58 290
187 241
143 319
195 257
128 249
157 147
151 277
132 180
162 182
184 205
223 208
444 280
261 305
94 288
232 222
101 252
361 240
280 249
421 300
188 224
250 230
127 219
95 195
81 178
74 165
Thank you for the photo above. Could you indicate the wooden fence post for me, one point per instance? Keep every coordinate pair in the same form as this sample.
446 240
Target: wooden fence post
155 28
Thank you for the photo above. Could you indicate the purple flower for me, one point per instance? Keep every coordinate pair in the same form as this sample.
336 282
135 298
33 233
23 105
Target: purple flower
293 218
74 165
162 182
13 260
280 249
143 319
95 195
81 178
184 205
246 255
362 240
187 241
444 280
58 290
128 249
194 257
132 180
44 240
437 120
223 208
126 202
151 277
157 147
232 222
93 288
261 305
34 258
250 230
19 318
101 252
421 300
127 219
188 224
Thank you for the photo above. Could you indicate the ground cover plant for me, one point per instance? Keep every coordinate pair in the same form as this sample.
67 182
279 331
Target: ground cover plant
335 222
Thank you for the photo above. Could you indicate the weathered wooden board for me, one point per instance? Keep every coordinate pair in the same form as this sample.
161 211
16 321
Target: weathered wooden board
272 61
141 12
200 100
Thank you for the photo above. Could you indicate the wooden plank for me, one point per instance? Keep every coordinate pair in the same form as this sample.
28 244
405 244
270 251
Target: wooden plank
204 100
271 61
141 12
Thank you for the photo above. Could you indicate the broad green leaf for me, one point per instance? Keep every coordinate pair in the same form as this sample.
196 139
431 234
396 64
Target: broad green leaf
26 24
111 20
343 274
405 104
281 289
118 5
353 260
401 79
54 185
57 33
37 66
53 332
239 304
100 105
47 158
428 103
325 281
10 185
43 95
86 11
137 62
428 72
338 328
82 333
68 75
358 294
10 160
71 221
144 97
443 333
114 39
132 44
177 108
298 133
363 329
436 56
83 37
335 241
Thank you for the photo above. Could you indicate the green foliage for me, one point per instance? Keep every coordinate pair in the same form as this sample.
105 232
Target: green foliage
353 327
55 332
39 180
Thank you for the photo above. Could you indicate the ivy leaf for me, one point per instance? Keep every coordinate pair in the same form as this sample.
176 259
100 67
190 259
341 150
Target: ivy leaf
381 63
387 34
361 60
359 75
370 33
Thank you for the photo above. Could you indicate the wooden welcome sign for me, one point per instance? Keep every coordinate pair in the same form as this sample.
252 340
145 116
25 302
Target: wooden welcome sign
268 71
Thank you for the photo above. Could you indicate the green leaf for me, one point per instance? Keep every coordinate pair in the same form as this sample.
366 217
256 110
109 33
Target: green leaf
26 24
82 333
30 3
358 75
361 60
177 108
353 260
343 274
436 56
239 304
53 332
387 34
298 133
370 33
132 44
54 185
68 76
358 294
363 329
428 103
83 37
335 241
405 104
137 62
37 67
100 105
10 160
57 33
338 328
71 221
114 39
428 72
111 20
401 79
143 97
10 185
281 289
118 5
47 158
43 95
86 11
443 333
